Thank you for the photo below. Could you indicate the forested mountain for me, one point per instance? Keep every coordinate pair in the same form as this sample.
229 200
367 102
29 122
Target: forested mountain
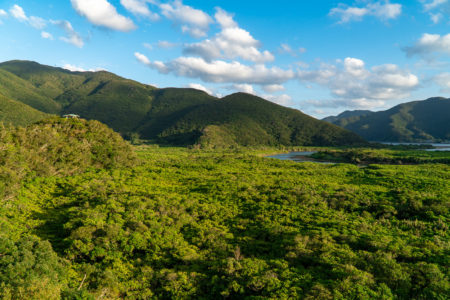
346 115
174 116
417 121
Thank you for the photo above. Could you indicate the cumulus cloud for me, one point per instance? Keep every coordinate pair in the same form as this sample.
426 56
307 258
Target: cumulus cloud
443 80
244 88
74 68
430 45
142 58
272 88
220 71
37 22
17 12
102 13
433 4
381 10
355 85
283 99
166 44
441 8
140 8
72 36
46 35
286 49
193 21
436 18
3 14
200 87
148 46
231 42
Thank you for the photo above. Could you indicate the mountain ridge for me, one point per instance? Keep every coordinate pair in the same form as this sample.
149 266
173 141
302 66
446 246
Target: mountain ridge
416 121
176 116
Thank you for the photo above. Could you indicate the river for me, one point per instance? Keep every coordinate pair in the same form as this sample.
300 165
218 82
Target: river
303 156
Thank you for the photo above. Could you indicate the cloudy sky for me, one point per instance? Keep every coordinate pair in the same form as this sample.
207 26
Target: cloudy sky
322 57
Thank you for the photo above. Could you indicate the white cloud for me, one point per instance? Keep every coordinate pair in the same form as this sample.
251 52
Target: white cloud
381 10
142 58
37 22
220 71
74 68
192 21
72 36
429 45
283 99
3 14
148 46
385 11
46 35
102 13
436 18
166 44
272 88
443 80
434 4
200 87
347 14
140 8
244 88
286 49
354 85
230 43
17 12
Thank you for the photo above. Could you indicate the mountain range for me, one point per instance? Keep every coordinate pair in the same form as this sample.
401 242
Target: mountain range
417 121
30 91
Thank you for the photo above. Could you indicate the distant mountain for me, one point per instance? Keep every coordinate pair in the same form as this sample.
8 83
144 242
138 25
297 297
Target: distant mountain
418 121
173 116
347 114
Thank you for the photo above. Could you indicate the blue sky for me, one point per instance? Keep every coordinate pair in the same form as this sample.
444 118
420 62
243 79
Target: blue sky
322 57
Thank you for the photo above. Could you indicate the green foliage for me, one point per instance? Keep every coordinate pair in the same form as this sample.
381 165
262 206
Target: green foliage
418 121
383 156
213 223
58 147
30 269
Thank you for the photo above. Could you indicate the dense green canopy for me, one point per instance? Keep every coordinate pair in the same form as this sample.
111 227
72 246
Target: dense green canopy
86 220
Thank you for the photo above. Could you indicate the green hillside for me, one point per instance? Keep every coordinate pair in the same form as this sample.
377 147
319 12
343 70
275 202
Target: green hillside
16 88
19 114
418 121
249 120
171 116
348 114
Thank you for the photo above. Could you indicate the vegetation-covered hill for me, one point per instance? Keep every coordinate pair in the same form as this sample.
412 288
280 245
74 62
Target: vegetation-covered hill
347 114
244 119
418 121
174 116
19 114
56 146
